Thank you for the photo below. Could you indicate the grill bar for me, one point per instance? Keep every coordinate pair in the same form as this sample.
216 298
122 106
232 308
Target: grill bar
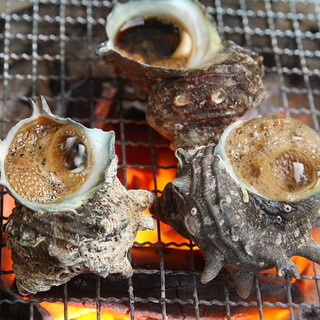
48 47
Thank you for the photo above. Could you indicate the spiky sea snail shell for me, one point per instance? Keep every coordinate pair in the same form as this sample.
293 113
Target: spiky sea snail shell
250 202
72 214
197 84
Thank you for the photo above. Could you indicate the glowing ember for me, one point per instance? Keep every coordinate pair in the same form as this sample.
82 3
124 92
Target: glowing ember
78 312
269 313
166 162
6 262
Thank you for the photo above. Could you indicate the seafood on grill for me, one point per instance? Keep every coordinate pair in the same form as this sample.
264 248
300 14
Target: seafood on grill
152 40
72 214
197 84
249 202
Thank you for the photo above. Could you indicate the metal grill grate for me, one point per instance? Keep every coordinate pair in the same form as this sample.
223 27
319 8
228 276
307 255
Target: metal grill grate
48 47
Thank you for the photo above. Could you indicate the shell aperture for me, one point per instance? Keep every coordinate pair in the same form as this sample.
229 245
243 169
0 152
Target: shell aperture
275 157
50 163
140 29
163 42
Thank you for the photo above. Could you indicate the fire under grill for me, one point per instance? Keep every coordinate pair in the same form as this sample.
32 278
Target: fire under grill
48 48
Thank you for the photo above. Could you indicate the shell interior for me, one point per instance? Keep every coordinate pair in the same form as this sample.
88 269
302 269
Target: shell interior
275 157
51 163
167 33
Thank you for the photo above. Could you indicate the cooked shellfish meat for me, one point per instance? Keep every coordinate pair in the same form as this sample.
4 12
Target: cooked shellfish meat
51 163
273 151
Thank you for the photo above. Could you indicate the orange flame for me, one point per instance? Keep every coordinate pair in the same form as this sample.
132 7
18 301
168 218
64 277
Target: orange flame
164 174
6 262
269 313
77 311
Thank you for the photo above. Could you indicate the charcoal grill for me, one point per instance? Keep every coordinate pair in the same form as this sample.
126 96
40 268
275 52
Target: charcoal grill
48 47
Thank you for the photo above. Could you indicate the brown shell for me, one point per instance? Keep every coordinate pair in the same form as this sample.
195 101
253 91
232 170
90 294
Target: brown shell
195 108
50 248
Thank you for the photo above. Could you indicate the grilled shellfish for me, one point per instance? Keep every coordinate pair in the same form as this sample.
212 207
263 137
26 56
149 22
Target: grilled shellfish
197 83
249 203
72 214
153 40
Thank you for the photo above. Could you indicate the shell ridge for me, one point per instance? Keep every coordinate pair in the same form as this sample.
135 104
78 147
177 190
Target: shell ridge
193 221
40 107
211 205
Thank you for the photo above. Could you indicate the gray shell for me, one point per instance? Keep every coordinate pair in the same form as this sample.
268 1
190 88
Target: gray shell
195 108
234 228
50 248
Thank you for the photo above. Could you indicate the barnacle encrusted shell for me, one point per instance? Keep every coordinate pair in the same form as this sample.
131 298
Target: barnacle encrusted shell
72 214
194 109
50 163
48 249
237 228
200 85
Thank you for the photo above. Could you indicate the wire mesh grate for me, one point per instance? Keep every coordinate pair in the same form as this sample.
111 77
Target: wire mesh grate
48 48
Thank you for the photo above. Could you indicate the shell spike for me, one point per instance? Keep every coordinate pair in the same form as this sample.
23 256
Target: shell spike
127 270
40 107
184 156
211 269
311 251
182 183
286 266
243 282
181 156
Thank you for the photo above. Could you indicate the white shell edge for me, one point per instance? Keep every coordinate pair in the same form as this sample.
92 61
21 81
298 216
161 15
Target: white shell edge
189 13
220 151
105 167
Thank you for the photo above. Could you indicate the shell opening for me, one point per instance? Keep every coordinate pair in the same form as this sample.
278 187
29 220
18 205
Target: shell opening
174 34
50 163
47 160
275 157
155 41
